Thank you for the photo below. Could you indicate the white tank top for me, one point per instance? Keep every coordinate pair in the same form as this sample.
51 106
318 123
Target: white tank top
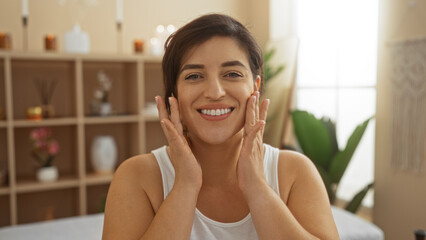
206 228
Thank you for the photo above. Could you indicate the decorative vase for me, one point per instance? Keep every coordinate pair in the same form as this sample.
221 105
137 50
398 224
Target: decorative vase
105 109
47 174
104 154
77 41
48 111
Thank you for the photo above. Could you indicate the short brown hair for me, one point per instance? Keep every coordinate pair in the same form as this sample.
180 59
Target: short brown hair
198 31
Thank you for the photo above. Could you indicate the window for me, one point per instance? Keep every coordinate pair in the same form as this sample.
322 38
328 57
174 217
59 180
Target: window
337 76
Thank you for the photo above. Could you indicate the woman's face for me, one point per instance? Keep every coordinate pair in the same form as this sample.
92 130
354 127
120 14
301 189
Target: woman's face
214 84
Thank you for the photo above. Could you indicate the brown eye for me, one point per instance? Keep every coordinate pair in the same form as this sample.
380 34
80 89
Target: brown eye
233 75
192 77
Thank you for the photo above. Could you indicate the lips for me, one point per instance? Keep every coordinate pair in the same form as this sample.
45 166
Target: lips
215 112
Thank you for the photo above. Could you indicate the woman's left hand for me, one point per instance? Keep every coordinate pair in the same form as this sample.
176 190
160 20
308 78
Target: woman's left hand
250 162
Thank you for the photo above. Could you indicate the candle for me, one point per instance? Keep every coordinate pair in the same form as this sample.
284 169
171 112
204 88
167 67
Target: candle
119 8
50 42
139 45
24 8
5 42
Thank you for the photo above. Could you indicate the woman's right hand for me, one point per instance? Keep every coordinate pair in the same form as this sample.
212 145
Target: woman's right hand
187 169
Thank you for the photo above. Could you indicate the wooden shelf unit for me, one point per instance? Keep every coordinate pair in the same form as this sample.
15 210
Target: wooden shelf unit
79 190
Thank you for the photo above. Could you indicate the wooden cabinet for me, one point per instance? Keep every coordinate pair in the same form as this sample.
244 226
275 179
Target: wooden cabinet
79 190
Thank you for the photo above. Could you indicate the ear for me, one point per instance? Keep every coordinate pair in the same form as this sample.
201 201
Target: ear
257 83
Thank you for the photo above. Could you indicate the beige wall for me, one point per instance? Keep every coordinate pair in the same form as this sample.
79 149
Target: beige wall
140 20
400 196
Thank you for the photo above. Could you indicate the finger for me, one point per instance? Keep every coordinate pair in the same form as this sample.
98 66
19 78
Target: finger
263 114
250 113
264 109
249 138
161 106
175 115
170 131
257 105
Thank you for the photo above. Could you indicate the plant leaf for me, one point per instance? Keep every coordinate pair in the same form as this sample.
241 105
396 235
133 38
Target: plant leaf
313 137
331 129
268 55
328 184
356 201
341 161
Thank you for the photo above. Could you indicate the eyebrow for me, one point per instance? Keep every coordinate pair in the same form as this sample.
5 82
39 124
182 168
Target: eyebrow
225 64
191 66
233 63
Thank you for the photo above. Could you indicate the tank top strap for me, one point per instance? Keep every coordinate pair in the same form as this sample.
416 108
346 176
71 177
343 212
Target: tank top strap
270 167
166 168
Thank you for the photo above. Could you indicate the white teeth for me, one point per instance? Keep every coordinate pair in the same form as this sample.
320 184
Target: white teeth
215 112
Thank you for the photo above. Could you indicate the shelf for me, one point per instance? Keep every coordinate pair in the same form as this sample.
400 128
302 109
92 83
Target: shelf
35 186
26 75
45 122
126 138
47 205
124 82
150 117
111 119
66 161
154 81
4 191
136 80
96 179
154 137
4 210
96 196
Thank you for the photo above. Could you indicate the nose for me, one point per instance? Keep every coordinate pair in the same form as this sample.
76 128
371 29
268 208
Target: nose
214 89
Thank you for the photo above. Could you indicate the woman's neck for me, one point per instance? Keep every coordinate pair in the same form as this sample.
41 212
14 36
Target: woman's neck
218 161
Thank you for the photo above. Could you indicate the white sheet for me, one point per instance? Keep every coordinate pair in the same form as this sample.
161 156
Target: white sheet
89 227
81 228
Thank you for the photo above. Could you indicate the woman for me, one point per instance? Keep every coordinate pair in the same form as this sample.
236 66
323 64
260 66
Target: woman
216 179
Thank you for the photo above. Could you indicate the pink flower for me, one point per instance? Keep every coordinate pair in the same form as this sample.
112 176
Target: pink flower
53 148
34 135
44 146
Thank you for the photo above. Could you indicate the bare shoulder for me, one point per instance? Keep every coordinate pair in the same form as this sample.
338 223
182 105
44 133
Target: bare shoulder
137 167
292 167
143 173
303 191
134 194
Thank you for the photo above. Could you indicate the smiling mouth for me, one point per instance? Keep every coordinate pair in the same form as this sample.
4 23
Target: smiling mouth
215 112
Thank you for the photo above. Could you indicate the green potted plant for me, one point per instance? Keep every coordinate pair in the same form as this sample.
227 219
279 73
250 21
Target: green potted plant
317 138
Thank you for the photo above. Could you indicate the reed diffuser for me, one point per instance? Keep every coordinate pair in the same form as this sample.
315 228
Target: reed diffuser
46 88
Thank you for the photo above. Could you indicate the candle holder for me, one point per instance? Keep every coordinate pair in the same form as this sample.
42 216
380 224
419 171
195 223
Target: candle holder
5 41
119 38
138 46
50 42
25 33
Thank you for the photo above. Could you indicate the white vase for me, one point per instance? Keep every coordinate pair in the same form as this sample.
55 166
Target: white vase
47 174
104 154
105 109
76 40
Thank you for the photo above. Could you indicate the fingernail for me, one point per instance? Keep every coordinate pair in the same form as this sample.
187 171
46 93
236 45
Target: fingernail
170 99
254 98
156 99
162 122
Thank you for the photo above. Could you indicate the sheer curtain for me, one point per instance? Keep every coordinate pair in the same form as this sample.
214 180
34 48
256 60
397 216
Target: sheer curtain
337 75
